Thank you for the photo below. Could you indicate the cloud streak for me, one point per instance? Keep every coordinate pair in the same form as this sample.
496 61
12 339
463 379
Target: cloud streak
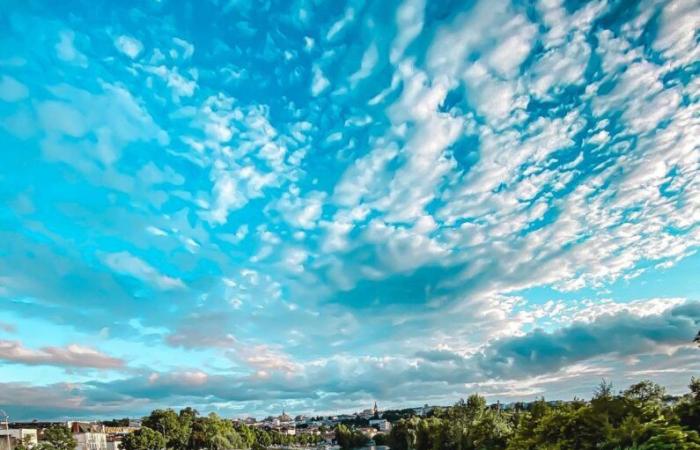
73 355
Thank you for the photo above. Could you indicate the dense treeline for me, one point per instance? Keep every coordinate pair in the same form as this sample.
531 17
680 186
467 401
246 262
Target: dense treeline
349 438
186 430
640 418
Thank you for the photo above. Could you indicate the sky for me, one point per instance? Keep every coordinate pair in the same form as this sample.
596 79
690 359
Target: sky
246 207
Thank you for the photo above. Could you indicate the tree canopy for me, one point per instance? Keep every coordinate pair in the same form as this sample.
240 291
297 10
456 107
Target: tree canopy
58 438
187 430
641 417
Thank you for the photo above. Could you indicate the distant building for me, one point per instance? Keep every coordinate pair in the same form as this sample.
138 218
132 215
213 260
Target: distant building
380 424
370 413
328 437
367 431
18 436
90 436
285 418
114 442
423 411
120 431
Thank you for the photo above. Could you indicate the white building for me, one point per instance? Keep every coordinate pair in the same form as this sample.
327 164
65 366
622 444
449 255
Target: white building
114 444
18 436
380 424
89 436
91 441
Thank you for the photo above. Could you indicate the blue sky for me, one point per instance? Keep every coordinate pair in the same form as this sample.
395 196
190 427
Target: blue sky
311 205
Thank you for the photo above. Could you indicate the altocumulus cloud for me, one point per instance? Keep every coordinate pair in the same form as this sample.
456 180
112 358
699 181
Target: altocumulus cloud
322 205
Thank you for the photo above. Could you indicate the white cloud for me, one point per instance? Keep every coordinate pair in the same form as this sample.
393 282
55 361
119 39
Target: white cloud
340 24
128 264
187 48
70 356
676 36
89 130
319 83
509 54
12 90
301 212
561 66
365 177
369 61
493 98
66 51
180 85
409 20
63 118
128 45
641 93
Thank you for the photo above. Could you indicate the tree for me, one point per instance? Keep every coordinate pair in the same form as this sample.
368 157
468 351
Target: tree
247 435
174 429
263 438
644 400
59 438
116 422
143 439
661 437
213 433
604 390
381 439
347 438
25 444
645 391
688 410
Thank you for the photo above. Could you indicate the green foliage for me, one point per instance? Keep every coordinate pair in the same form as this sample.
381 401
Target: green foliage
116 422
636 419
381 439
174 427
468 425
58 438
143 439
25 444
187 430
394 415
688 410
662 436
348 438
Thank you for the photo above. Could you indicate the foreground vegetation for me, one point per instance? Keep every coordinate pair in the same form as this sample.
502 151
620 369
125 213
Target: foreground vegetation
187 430
641 417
